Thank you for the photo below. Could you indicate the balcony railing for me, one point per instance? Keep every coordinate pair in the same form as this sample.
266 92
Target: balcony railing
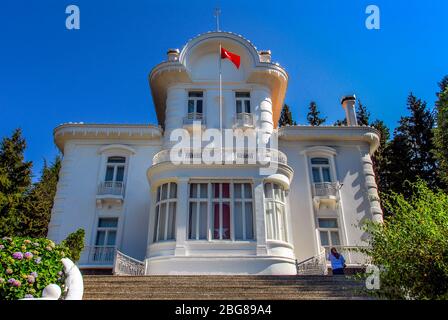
325 189
113 188
244 120
231 156
194 117
98 255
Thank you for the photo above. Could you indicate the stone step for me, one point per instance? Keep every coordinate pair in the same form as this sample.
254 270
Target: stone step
217 287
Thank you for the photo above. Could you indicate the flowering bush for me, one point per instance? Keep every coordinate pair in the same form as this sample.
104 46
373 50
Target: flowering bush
27 266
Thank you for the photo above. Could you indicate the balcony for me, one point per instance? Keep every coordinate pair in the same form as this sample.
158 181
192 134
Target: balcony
110 191
325 194
192 119
98 256
244 120
227 156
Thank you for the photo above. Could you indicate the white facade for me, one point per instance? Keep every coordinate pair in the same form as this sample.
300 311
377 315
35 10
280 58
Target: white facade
118 183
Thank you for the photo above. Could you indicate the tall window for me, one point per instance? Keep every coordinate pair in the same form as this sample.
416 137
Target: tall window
165 223
115 169
198 211
231 207
242 102
243 211
106 234
221 211
328 232
321 170
195 102
275 211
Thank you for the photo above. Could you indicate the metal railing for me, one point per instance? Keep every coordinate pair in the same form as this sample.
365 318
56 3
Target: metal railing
127 266
315 265
115 188
323 189
244 119
194 116
100 255
231 156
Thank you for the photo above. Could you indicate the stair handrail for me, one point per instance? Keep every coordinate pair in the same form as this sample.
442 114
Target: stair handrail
317 262
125 265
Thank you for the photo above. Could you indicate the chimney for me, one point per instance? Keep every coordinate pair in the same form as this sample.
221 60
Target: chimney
173 54
265 55
348 103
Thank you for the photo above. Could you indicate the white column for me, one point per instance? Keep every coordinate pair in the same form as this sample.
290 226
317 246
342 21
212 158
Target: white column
260 226
176 110
263 112
372 189
181 216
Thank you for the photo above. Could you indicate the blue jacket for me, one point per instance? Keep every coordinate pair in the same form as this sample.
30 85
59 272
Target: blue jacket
336 263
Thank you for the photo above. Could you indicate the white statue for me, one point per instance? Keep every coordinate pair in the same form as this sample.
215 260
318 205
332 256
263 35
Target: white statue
73 281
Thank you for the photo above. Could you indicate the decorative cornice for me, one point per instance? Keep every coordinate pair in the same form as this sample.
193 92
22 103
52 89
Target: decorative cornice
331 133
71 131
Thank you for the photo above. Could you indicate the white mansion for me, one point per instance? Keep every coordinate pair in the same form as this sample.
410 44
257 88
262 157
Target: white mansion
119 183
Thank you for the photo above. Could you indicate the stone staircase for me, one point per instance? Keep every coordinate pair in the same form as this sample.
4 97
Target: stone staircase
215 287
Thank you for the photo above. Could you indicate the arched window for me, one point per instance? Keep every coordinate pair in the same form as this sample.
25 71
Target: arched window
275 198
320 168
165 223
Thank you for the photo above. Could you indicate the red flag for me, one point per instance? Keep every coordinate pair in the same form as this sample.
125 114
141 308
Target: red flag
231 56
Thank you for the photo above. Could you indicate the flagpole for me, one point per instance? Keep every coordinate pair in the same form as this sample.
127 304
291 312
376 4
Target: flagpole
220 98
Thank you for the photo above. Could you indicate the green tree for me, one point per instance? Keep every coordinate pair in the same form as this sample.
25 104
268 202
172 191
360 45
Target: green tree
340 123
40 201
313 115
15 181
441 131
286 117
410 248
411 154
75 243
362 115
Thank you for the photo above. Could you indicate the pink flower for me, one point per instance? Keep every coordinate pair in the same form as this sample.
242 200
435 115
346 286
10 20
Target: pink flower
9 271
17 255
31 279
28 255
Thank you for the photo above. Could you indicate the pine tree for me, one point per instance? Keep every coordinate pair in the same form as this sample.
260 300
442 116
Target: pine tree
411 155
40 201
313 115
340 123
286 117
362 114
441 131
15 181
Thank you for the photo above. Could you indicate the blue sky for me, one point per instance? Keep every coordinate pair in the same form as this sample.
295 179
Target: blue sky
98 74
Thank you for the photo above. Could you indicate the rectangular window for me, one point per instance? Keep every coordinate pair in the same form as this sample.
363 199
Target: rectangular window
320 168
106 232
115 169
242 100
230 219
195 102
329 232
